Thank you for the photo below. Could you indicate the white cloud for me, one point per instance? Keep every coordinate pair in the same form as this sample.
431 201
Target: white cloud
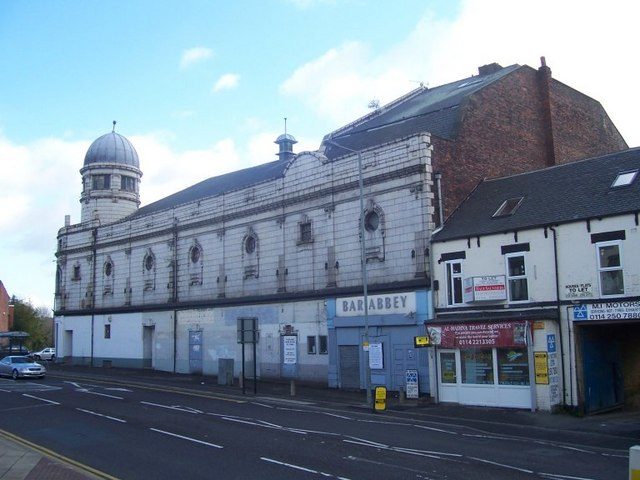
195 55
586 47
226 81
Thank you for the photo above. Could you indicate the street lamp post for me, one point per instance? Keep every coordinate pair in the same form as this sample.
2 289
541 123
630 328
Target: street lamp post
363 260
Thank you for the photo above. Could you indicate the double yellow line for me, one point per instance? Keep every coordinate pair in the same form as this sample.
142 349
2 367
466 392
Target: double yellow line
56 456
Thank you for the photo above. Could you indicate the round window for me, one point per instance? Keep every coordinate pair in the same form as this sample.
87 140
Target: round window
108 269
148 262
250 244
371 221
195 255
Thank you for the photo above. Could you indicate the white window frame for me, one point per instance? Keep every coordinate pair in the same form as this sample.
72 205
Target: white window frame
450 293
601 269
508 256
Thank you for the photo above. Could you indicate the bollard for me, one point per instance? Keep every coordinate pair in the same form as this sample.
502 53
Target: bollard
293 388
401 396
634 463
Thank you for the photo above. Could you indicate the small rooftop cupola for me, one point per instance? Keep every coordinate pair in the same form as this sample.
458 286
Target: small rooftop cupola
285 141
110 179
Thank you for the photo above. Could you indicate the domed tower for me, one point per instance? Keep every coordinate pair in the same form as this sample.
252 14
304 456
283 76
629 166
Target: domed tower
285 142
110 179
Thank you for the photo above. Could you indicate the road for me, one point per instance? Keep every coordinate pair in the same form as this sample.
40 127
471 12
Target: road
133 432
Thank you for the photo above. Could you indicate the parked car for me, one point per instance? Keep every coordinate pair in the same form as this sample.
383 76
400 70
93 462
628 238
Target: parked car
14 350
48 353
20 366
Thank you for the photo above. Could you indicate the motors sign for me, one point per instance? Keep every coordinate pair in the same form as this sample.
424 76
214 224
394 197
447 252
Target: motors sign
607 311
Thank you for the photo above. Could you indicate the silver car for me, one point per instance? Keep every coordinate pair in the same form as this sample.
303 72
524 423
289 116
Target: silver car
20 366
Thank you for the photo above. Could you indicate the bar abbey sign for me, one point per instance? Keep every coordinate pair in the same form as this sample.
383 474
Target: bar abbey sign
394 303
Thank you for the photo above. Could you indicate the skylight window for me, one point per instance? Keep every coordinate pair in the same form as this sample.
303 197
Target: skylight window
508 207
625 178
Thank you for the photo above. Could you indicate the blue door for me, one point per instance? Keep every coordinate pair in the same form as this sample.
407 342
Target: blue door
195 351
603 381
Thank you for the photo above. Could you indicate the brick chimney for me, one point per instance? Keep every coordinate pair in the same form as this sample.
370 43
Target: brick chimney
489 69
544 84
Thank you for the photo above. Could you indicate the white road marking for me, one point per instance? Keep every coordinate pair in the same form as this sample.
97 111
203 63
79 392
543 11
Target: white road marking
564 477
576 449
511 467
118 389
5 391
263 405
100 394
298 467
336 415
435 429
101 415
365 441
261 423
41 399
195 440
174 407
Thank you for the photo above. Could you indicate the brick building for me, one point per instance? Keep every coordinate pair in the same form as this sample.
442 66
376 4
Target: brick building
6 310
278 246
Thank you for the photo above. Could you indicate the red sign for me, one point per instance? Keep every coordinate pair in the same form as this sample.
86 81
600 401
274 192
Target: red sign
470 335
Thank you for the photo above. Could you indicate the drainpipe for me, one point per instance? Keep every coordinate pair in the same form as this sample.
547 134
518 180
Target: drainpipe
174 295
559 309
94 253
438 178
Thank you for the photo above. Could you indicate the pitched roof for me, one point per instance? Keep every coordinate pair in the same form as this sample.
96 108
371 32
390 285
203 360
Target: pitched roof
218 185
564 193
434 110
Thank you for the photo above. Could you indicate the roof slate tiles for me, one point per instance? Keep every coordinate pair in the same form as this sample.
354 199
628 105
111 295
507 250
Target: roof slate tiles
574 191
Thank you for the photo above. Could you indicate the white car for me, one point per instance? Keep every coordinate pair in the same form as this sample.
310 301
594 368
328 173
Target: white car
48 353
20 366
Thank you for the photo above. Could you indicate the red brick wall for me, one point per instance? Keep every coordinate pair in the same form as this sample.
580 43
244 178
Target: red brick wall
504 130
5 314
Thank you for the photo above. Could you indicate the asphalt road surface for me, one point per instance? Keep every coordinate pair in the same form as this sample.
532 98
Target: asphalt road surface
131 432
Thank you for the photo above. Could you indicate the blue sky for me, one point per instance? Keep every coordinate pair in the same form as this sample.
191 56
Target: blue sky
201 87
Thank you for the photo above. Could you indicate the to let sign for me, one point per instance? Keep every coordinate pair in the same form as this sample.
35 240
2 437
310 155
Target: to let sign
488 287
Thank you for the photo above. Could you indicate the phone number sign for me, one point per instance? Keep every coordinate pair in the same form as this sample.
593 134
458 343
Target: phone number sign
607 311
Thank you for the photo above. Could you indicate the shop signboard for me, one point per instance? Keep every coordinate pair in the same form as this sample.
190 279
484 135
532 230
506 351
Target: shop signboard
487 287
627 310
396 303
465 335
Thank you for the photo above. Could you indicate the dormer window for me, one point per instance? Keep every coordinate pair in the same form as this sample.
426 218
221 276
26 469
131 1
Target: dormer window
508 207
624 178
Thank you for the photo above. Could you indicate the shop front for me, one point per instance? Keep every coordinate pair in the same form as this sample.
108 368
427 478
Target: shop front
485 364
386 334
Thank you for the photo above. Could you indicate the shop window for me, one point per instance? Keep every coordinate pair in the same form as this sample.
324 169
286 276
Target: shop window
324 346
517 278
448 367
107 331
513 366
311 345
101 182
477 366
610 268
454 282
128 184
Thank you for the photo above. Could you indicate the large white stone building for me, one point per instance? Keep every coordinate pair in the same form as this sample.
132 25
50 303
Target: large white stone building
278 246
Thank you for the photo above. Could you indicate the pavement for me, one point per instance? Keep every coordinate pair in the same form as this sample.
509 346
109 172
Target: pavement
22 460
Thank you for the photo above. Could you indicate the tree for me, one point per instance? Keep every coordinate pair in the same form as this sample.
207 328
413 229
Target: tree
35 321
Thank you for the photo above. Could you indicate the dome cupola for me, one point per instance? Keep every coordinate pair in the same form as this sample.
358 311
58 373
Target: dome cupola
110 179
